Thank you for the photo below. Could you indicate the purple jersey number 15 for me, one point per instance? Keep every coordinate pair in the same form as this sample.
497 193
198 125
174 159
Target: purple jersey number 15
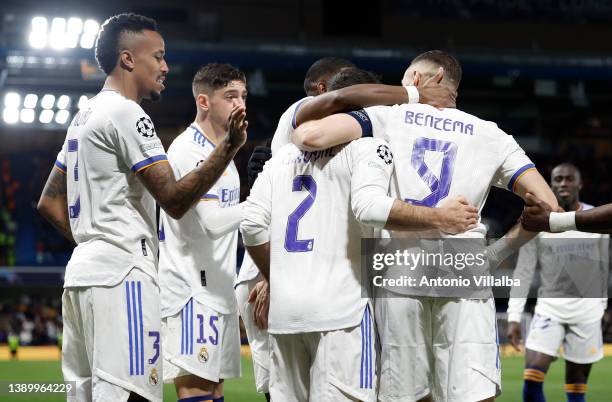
292 243
439 186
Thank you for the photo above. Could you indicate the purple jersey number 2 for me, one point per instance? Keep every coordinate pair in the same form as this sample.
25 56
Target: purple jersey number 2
439 186
292 243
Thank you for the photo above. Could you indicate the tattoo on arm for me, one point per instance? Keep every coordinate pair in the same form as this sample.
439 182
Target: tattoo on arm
176 197
53 203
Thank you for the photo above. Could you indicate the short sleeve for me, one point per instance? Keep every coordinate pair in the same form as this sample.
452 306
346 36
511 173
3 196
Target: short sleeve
515 163
138 143
60 161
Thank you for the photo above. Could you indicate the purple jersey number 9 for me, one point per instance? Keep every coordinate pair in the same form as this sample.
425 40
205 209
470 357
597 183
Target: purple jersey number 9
439 186
292 243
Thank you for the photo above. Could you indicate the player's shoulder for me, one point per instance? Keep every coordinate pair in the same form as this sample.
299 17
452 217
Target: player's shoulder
191 142
118 107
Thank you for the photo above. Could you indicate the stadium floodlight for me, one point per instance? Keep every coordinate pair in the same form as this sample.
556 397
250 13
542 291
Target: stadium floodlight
30 101
90 31
73 30
12 100
82 102
10 115
61 33
46 116
47 101
58 33
61 117
38 35
63 102
27 115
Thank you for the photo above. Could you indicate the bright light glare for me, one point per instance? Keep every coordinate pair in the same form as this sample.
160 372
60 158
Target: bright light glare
57 39
46 116
91 27
75 25
62 117
12 100
27 115
63 102
47 101
30 101
39 25
38 40
87 41
82 102
10 115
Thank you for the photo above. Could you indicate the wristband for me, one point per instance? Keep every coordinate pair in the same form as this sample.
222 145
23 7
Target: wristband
413 94
562 221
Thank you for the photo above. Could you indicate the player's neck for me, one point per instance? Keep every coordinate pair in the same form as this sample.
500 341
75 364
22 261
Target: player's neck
122 86
212 132
576 206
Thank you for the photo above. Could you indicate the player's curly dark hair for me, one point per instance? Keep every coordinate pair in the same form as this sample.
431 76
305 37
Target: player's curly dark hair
214 76
440 58
352 76
107 43
323 69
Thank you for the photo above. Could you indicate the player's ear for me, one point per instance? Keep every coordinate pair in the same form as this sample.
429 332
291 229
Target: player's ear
203 102
321 87
416 78
126 59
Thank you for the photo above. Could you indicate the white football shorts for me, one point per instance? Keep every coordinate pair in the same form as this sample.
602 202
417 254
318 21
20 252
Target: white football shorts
200 341
334 366
111 343
579 343
446 347
258 339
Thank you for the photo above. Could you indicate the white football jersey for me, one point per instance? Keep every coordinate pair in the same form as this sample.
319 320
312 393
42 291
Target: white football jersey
286 124
112 215
282 137
302 203
446 153
551 256
192 264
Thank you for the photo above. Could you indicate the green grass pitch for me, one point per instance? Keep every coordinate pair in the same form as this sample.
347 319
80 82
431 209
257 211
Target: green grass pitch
243 389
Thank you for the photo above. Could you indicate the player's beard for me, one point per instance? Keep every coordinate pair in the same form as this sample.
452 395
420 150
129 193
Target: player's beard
155 96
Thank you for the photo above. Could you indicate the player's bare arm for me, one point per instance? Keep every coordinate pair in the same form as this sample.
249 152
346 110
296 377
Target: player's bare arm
530 182
537 217
431 92
453 216
325 133
53 203
176 197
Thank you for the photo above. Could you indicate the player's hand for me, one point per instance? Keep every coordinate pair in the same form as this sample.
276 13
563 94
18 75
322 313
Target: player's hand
258 159
457 215
535 214
237 125
514 335
432 92
260 298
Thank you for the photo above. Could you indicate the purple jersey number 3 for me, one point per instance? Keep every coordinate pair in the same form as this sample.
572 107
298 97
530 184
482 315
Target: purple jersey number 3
439 186
292 243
